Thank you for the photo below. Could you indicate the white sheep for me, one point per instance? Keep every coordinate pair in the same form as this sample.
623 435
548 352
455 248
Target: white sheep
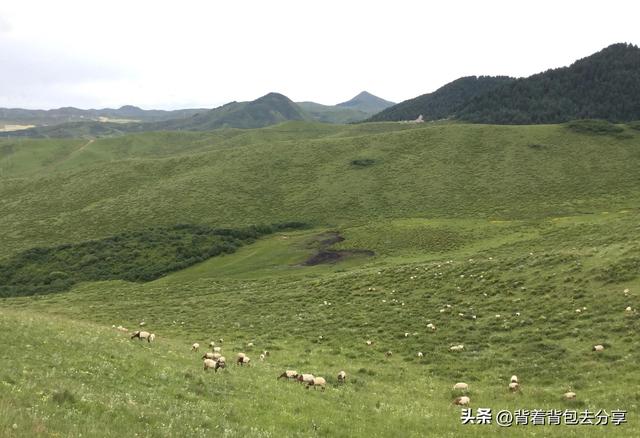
208 356
342 376
458 347
317 382
628 309
212 344
244 360
305 378
152 337
289 374
420 354
569 395
514 379
240 355
141 335
369 343
209 363
388 353
461 386
514 386
598 347
431 326
462 401
250 344
217 349
262 356
195 346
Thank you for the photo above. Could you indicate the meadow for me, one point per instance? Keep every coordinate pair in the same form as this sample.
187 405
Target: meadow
497 235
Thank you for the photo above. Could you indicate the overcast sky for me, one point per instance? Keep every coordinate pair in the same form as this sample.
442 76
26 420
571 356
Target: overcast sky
176 54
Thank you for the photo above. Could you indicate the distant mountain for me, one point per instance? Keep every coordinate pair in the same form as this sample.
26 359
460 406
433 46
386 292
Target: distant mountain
19 116
366 102
361 107
442 103
268 110
332 113
605 85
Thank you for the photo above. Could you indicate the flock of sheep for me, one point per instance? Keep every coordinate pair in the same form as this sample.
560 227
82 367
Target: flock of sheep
215 360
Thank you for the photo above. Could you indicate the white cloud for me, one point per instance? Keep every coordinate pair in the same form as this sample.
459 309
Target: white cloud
203 53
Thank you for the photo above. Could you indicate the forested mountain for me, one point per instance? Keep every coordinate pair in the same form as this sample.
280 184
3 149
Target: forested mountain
605 85
443 102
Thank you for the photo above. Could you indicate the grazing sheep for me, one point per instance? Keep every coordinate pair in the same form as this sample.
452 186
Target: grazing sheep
514 386
208 356
221 340
212 344
220 364
262 356
141 335
369 343
420 354
388 353
431 326
628 309
317 382
240 355
266 353
142 324
122 329
342 376
462 401
458 347
305 378
514 379
244 360
217 349
406 334
289 374
209 363
461 386
250 344
195 347
598 347
569 395
152 337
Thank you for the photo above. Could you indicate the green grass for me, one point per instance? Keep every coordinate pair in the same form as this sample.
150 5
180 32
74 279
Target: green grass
465 216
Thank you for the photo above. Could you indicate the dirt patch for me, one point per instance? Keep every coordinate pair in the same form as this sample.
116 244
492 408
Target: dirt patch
324 255
330 256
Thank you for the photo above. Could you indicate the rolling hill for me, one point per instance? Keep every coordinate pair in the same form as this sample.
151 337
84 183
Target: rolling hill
515 241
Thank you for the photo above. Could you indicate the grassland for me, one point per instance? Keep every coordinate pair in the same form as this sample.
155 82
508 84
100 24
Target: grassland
529 223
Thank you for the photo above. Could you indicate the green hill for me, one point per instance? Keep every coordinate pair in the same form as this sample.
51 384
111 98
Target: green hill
514 241
442 103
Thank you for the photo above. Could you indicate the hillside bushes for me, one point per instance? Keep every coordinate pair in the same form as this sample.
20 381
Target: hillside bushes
142 255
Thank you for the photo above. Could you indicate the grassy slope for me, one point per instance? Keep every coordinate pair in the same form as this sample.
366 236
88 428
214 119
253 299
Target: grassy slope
278 174
519 236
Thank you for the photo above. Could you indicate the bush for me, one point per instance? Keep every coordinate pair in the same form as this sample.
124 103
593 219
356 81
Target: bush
594 126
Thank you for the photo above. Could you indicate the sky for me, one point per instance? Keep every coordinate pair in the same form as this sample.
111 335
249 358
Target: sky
188 53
